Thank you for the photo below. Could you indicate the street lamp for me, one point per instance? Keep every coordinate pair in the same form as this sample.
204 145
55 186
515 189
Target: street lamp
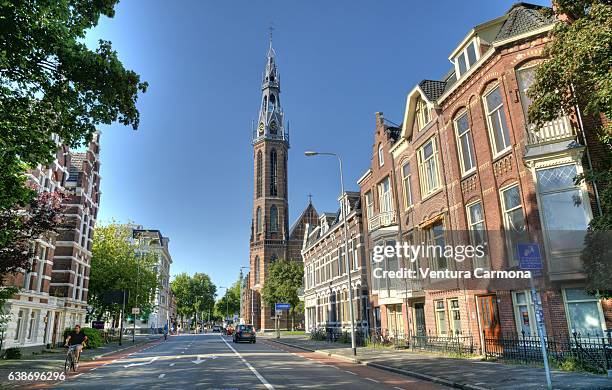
346 248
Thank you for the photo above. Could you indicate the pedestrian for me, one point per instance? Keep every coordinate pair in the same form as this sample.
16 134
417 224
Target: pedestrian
165 332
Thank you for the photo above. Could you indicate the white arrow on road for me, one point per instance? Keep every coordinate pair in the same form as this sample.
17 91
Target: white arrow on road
200 360
142 364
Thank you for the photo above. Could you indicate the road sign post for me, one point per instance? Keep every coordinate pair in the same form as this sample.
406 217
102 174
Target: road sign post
530 258
279 307
135 312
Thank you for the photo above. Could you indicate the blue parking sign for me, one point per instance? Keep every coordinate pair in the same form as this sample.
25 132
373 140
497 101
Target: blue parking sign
283 306
529 256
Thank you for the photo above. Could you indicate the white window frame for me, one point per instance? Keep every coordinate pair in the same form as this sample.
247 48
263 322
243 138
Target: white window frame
381 156
385 198
506 220
602 319
471 229
427 188
451 320
530 312
458 136
499 110
437 311
586 204
422 113
476 42
407 186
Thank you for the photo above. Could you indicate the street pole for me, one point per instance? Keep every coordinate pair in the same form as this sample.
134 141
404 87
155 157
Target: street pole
541 331
121 319
346 247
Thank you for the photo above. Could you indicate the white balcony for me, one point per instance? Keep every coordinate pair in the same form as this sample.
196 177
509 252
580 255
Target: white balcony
382 219
553 131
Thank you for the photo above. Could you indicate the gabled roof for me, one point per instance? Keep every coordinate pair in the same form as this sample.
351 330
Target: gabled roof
433 89
296 223
522 18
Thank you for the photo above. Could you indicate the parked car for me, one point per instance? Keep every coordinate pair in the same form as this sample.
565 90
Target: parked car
216 328
244 333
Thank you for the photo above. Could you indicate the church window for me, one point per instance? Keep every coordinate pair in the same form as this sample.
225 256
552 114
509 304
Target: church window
273 166
259 169
273 219
257 266
258 220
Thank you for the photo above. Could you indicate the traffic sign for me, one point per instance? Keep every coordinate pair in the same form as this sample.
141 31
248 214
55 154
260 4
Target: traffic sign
135 310
283 306
529 256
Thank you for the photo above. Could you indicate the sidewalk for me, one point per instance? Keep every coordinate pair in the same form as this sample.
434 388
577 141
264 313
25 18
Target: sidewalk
459 373
53 360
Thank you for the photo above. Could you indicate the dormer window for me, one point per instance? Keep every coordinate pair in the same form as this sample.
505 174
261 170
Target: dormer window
421 114
466 58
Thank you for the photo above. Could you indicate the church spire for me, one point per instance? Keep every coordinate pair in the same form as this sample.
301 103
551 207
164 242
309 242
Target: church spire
271 117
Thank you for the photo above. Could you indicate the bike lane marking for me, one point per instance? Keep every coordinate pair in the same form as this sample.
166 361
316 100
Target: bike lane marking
257 374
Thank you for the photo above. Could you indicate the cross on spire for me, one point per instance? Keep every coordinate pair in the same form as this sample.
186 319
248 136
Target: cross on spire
309 198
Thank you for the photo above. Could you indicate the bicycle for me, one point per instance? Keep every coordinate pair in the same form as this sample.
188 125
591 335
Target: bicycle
70 362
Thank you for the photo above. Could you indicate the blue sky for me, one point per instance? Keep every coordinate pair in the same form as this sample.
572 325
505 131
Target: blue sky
188 169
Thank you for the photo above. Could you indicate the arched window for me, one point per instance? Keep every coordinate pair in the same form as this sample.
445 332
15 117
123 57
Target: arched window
258 220
273 219
273 166
381 157
257 265
272 103
265 103
259 168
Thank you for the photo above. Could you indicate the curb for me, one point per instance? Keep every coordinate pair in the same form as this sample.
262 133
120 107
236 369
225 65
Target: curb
395 370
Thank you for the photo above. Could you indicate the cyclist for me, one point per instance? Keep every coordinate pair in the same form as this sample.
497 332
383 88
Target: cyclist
76 338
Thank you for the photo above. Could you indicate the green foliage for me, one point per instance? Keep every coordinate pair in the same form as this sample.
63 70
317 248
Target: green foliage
52 83
577 74
116 264
282 284
94 337
194 294
579 58
20 226
12 353
230 302
5 294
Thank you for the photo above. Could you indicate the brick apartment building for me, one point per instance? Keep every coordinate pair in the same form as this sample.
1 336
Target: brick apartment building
326 283
54 289
466 160
271 237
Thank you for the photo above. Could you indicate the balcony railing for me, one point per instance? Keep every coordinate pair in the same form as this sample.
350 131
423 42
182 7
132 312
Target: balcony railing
553 131
382 219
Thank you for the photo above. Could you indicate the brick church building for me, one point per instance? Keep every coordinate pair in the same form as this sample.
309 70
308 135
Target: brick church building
271 235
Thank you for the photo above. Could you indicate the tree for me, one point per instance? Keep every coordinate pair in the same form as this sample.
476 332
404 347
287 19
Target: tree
282 284
117 265
194 295
577 74
230 302
52 84
19 227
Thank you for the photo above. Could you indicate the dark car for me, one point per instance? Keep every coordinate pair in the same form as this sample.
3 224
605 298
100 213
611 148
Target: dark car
244 333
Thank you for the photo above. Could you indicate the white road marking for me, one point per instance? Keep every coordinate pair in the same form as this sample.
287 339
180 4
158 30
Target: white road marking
161 376
77 375
172 364
398 388
350 372
372 380
257 374
142 364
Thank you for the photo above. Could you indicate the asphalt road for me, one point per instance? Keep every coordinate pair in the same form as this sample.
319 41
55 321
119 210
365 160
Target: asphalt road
212 361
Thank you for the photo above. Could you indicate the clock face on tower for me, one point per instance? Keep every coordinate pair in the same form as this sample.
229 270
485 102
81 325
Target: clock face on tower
261 128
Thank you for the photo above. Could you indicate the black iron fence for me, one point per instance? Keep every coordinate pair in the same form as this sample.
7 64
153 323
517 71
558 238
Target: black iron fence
593 352
340 335
453 344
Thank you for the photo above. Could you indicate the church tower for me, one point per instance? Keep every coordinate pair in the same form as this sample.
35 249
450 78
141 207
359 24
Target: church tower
270 222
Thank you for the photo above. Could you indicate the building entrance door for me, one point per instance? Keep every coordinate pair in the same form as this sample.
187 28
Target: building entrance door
419 319
489 318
